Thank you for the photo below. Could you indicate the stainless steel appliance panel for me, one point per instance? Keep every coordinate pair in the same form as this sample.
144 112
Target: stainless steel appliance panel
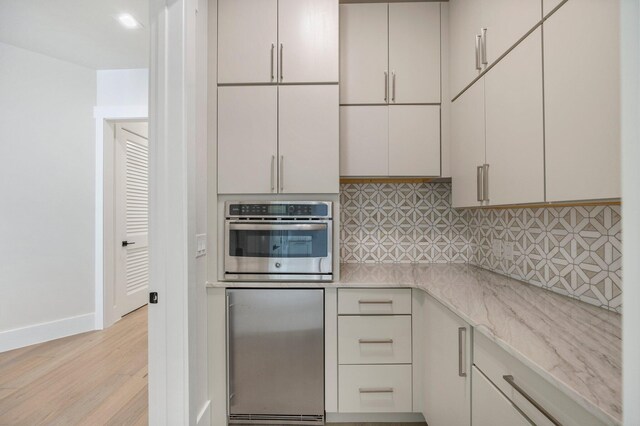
276 353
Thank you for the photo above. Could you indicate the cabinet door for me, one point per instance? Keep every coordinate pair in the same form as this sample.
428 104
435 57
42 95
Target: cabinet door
447 356
309 137
506 22
364 140
363 53
414 52
308 37
247 139
465 21
490 407
247 30
414 140
549 5
467 145
582 101
514 129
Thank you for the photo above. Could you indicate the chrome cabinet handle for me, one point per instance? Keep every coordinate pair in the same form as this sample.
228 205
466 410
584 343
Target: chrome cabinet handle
273 47
485 182
373 301
478 41
393 86
281 173
376 390
512 382
386 86
375 341
479 183
281 70
273 160
483 47
462 352
230 390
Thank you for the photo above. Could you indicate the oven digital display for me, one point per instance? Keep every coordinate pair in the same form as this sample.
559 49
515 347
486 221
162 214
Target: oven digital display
278 210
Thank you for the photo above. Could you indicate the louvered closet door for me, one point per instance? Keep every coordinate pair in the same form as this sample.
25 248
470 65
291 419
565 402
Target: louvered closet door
132 217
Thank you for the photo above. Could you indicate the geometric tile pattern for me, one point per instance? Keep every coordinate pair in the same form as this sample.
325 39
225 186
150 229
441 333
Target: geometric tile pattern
575 251
401 223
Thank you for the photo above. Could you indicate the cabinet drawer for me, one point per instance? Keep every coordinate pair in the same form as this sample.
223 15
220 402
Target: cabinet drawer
374 339
374 388
495 363
374 301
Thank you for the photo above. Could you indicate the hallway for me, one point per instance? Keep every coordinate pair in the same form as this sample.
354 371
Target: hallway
93 378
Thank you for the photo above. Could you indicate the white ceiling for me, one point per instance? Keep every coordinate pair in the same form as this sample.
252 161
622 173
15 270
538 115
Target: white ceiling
84 32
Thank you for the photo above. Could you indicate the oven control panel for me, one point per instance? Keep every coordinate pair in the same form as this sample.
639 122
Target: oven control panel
306 209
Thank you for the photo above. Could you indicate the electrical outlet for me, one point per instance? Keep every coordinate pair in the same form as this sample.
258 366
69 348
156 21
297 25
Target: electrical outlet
496 248
201 245
507 250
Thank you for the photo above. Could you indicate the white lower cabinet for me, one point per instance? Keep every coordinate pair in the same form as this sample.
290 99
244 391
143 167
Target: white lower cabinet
447 363
374 339
490 407
374 388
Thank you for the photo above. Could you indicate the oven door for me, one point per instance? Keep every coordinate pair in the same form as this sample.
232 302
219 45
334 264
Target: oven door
278 250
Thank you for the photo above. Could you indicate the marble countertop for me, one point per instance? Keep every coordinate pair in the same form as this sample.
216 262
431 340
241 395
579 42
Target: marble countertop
574 345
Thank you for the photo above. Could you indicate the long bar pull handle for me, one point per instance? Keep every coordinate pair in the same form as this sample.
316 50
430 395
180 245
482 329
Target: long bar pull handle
478 41
485 182
281 70
230 390
483 47
479 183
376 390
509 379
375 341
281 173
273 161
462 352
374 301
393 86
386 86
273 47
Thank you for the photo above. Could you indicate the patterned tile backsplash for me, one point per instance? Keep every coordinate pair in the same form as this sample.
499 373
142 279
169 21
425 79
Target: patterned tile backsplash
574 251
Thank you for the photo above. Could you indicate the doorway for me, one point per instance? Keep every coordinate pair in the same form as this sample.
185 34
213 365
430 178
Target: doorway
126 213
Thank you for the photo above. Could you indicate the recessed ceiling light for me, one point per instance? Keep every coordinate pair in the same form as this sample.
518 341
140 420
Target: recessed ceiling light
128 21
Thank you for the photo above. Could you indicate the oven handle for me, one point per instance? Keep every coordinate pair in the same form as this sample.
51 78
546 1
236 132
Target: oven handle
249 226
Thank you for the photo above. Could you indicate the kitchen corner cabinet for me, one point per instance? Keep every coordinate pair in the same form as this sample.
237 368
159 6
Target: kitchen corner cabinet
497 149
447 366
263 41
582 101
396 140
481 31
285 136
390 53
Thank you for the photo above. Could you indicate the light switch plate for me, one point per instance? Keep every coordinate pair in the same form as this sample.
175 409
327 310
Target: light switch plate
201 245
496 248
507 250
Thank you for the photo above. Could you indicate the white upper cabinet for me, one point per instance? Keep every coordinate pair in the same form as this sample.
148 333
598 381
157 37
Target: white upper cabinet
465 20
363 53
504 23
514 128
467 146
308 139
364 140
582 100
414 140
247 139
308 41
414 52
247 40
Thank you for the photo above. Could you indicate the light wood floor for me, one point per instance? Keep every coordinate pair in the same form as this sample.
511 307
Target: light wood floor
92 378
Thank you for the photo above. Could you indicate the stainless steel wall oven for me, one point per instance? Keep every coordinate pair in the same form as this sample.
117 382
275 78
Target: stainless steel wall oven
278 241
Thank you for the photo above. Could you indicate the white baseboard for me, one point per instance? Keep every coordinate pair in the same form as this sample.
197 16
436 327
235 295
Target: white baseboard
43 332
204 418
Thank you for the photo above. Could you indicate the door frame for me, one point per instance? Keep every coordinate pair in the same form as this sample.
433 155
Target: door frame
106 119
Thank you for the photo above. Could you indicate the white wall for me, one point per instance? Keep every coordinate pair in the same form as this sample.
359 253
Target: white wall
123 87
47 142
630 21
